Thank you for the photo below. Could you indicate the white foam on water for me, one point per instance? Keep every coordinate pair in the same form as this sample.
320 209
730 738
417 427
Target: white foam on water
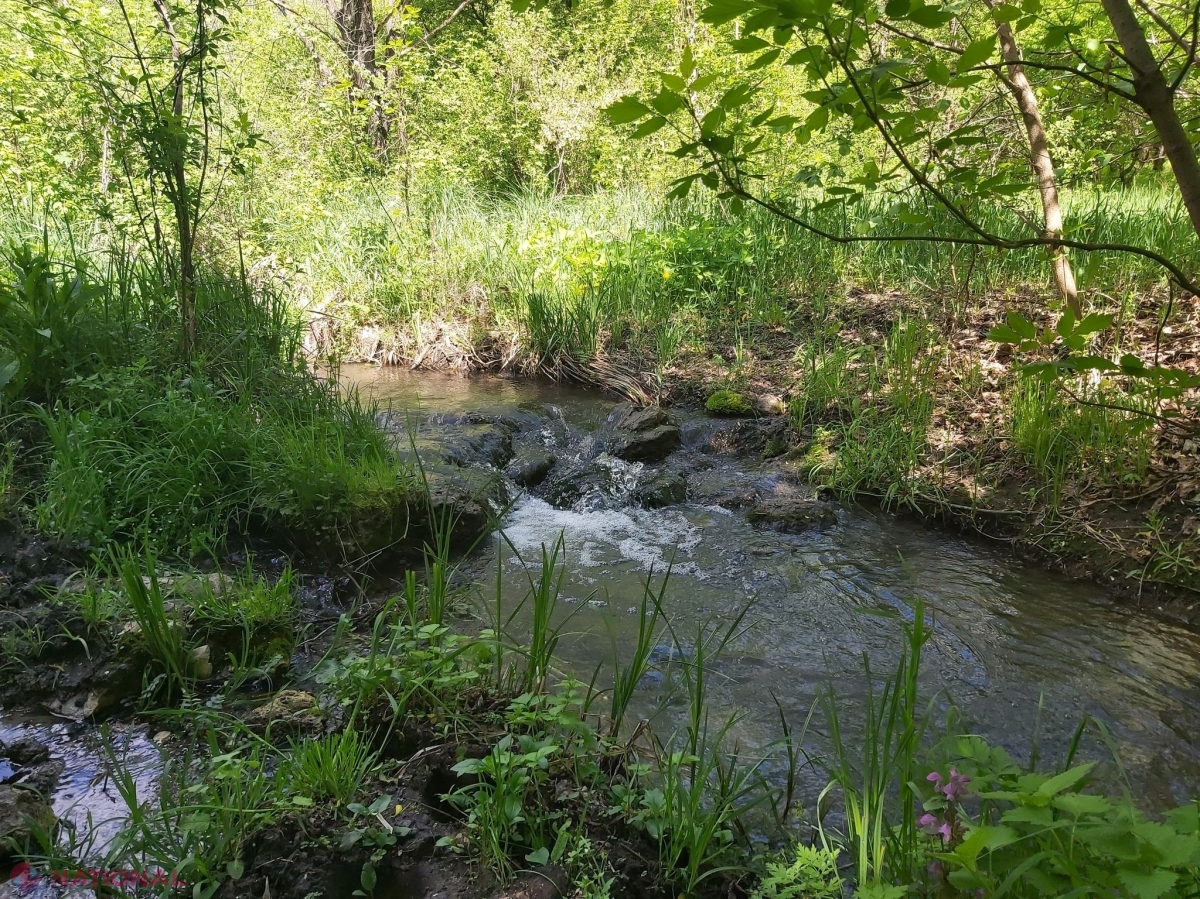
648 539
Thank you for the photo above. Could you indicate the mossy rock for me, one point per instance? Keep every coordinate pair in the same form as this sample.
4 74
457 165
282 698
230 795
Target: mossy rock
728 404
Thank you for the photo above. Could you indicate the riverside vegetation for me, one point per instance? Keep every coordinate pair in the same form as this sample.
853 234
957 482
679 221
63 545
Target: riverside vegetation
953 244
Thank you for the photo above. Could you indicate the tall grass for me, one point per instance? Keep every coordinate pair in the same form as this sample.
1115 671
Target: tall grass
563 271
138 444
873 770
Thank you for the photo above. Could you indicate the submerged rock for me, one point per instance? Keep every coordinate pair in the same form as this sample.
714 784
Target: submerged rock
597 483
643 435
663 488
791 512
28 763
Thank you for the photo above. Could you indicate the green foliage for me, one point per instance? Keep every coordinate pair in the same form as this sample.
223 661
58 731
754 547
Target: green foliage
331 768
874 779
812 873
509 811
49 327
158 626
206 810
728 403
409 670
1044 835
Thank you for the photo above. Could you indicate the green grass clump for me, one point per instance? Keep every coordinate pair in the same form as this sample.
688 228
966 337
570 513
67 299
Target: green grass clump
728 404
134 442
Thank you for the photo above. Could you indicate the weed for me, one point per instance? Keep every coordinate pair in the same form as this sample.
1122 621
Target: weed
811 873
881 827
637 658
160 629
333 767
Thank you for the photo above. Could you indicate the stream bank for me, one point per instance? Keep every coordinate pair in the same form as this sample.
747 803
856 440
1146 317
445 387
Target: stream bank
1023 653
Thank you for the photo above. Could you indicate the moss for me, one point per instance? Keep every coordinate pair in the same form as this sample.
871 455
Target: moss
729 404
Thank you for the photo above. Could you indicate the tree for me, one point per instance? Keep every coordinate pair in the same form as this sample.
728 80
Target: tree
915 74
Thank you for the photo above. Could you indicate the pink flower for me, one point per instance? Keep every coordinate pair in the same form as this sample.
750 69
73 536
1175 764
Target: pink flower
953 789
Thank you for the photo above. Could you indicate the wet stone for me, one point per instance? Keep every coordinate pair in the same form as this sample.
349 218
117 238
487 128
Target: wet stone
664 488
530 470
21 813
643 435
791 513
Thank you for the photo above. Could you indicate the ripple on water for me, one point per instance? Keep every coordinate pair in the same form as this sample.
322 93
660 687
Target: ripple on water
86 798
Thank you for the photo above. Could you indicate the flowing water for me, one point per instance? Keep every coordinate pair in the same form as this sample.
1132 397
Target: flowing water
1023 654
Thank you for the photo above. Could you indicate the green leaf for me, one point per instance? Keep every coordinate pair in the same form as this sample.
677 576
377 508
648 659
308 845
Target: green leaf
1093 323
666 102
977 52
937 72
897 9
626 110
1066 780
1006 12
702 82
1003 334
673 82
648 127
765 60
368 878
930 16
236 869
1079 804
718 12
1023 326
538 856
1147 885
750 44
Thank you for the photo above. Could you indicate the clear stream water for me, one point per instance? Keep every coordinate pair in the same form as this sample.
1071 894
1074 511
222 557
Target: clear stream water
1010 638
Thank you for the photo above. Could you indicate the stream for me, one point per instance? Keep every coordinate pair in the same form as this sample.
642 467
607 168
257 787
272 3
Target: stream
1024 654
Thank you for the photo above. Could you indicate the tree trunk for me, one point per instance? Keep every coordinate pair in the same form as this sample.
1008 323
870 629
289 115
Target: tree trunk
1152 93
1039 157
356 24
178 194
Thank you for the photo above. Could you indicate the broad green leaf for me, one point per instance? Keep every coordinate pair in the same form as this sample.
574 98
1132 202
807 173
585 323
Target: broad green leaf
666 102
718 12
977 52
1147 884
937 72
1021 325
648 127
765 60
626 110
750 44
1079 804
1003 334
673 82
538 856
930 16
1006 12
1093 323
